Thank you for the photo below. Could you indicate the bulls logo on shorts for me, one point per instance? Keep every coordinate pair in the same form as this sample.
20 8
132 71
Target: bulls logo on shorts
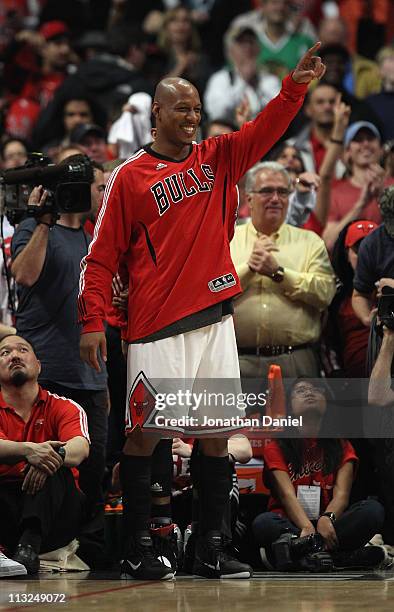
141 402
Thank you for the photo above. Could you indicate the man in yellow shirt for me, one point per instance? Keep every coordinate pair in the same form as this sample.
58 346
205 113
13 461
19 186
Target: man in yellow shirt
287 281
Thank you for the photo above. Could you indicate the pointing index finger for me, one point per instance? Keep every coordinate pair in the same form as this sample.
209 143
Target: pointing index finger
313 49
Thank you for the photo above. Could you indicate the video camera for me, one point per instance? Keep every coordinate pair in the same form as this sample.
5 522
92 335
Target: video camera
386 307
303 554
67 184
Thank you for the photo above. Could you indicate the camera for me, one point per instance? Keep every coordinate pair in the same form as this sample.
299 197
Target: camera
386 307
292 553
67 184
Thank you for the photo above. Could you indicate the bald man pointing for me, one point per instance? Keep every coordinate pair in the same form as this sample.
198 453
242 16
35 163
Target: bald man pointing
168 211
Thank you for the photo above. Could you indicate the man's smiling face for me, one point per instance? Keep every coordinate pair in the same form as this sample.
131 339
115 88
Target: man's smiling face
178 117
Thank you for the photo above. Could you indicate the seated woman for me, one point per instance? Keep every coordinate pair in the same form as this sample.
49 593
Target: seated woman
310 481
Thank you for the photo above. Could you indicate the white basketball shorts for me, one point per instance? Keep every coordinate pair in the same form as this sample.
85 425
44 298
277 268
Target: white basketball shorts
188 384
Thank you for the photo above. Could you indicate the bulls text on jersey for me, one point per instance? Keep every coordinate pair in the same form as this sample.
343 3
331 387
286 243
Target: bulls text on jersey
176 187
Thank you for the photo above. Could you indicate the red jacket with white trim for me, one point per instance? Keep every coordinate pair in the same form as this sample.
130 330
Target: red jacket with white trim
170 220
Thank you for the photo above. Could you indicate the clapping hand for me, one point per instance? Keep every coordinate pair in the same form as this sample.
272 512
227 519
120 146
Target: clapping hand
374 185
261 260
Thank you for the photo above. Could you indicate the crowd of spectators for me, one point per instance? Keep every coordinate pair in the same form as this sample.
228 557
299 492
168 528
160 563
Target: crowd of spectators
313 246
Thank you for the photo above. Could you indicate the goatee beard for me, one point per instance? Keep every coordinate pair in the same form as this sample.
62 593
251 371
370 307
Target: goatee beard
19 378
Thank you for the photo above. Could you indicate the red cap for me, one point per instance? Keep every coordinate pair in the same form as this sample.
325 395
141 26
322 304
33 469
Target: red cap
53 29
358 230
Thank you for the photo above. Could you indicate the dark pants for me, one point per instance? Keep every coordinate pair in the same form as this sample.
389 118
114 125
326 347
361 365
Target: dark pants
117 384
354 528
383 456
91 471
59 507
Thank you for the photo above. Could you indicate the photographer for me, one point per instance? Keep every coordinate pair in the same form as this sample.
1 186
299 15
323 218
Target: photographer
379 390
46 257
375 261
310 481
380 393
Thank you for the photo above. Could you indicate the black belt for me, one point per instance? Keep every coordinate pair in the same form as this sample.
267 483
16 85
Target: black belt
272 351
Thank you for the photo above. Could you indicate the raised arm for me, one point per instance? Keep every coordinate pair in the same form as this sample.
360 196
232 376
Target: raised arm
362 305
379 389
29 262
248 145
333 153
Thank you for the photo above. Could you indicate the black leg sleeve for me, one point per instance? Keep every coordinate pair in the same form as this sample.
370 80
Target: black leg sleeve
135 478
213 492
162 469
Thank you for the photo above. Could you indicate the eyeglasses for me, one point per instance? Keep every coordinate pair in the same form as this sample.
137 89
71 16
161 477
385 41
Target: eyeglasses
267 192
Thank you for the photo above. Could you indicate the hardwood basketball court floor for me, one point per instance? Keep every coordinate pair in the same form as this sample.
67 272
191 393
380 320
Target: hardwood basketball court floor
268 591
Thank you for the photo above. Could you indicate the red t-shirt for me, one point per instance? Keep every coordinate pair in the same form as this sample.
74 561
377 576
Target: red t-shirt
42 87
344 196
355 340
310 473
313 224
171 218
52 418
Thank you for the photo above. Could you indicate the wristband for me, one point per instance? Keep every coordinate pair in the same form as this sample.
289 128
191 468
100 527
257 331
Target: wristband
279 275
61 451
336 141
330 515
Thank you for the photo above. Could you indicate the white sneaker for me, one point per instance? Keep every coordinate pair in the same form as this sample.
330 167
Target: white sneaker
8 567
388 561
377 540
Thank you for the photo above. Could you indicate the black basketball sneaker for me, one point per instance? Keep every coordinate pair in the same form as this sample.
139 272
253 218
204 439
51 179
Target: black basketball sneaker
212 559
142 562
167 541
